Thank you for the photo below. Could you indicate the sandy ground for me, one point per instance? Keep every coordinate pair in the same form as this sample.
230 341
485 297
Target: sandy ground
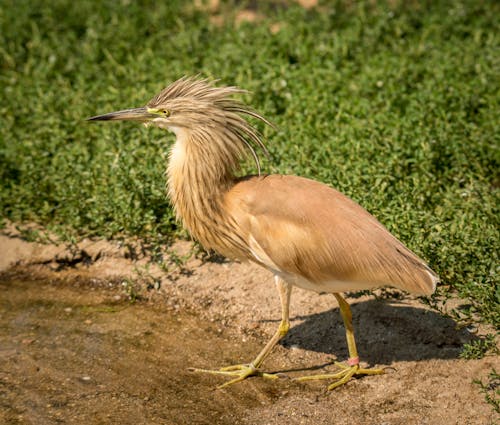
73 349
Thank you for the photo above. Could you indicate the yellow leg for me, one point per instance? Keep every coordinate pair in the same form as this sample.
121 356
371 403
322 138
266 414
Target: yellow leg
243 371
352 368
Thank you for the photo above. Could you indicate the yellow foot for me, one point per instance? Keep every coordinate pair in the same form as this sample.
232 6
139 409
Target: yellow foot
343 376
240 372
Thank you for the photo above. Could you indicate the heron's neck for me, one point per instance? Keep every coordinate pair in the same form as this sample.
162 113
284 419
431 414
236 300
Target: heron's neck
198 177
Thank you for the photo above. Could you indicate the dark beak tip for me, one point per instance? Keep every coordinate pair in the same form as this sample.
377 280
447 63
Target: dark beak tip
98 118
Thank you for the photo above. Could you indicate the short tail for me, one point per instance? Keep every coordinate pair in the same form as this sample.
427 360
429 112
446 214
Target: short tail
428 283
419 278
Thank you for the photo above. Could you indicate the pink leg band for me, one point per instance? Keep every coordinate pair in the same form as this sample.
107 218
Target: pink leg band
353 361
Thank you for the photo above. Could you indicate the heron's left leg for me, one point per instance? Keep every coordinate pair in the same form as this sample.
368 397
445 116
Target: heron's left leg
243 371
352 368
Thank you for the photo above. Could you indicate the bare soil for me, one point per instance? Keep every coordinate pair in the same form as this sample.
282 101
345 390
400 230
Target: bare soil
74 349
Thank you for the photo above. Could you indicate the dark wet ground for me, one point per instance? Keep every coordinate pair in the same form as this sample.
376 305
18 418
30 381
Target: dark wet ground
86 355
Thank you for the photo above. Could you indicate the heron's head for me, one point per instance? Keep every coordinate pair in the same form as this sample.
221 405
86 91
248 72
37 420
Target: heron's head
188 103
195 106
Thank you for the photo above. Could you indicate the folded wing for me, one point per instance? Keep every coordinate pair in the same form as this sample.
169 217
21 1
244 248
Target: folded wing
311 232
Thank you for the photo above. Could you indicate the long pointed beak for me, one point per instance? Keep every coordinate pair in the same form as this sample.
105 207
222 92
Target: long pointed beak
134 114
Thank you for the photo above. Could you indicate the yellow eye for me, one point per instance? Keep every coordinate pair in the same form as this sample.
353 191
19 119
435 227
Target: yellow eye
165 112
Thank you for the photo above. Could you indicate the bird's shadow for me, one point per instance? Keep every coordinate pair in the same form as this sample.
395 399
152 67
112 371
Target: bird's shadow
384 333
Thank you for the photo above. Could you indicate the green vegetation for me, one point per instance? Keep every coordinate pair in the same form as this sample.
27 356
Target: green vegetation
478 348
396 104
491 389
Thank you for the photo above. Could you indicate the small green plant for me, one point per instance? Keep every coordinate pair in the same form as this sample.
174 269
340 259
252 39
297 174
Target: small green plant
146 277
479 348
179 260
491 389
130 289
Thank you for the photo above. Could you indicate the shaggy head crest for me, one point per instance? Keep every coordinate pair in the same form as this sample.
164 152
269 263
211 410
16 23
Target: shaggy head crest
197 104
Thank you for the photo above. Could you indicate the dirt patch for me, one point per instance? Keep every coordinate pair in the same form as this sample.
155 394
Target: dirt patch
73 349
221 13
85 355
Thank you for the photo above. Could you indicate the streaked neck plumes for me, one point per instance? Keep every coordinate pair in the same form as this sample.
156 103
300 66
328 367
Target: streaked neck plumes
199 173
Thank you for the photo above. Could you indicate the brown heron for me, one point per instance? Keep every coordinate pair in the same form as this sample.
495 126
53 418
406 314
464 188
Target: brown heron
304 232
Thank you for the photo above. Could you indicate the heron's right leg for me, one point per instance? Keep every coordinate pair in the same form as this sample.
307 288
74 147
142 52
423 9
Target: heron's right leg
353 368
243 371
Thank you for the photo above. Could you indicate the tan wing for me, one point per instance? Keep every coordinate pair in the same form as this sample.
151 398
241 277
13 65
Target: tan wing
306 230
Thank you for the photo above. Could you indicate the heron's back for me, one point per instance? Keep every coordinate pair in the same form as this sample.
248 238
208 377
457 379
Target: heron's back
317 238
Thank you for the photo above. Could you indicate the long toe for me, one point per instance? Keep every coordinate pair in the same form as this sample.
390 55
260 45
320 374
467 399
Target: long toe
343 376
237 372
